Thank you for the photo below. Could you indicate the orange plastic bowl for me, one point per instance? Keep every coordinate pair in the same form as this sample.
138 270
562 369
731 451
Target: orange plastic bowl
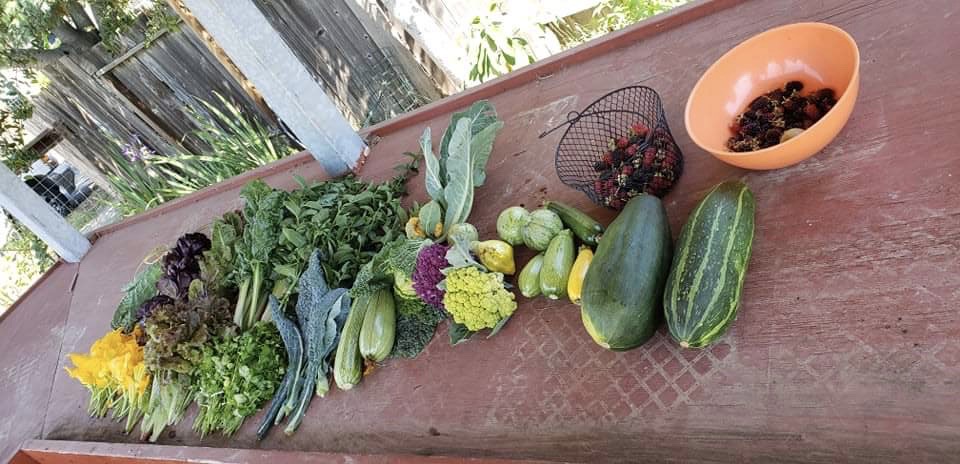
817 54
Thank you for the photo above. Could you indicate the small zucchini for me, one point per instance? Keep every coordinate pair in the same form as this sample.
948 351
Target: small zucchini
578 273
529 280
557 262
379 328
348 365
587 229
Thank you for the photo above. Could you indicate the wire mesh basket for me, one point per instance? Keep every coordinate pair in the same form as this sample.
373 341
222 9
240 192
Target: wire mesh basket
619 146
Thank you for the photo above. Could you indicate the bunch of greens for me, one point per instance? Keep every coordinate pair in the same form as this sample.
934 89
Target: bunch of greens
348 220
237 374
263 211
461 167
176 332
218 263
181 265
161 282
170 394
309 340
137 292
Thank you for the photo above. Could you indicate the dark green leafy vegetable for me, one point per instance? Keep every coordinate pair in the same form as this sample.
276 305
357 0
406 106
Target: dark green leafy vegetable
458 186
317 312
484 125
293 342
263 211
218 266
416 324
236 376
310 341
348 220
459 333
138 291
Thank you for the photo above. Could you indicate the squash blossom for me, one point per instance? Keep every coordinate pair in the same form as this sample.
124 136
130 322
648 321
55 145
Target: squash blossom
115 375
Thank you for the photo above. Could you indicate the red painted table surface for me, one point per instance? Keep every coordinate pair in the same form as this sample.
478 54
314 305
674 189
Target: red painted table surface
847 347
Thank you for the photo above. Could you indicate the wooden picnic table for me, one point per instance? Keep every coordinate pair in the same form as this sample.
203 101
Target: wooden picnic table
847 346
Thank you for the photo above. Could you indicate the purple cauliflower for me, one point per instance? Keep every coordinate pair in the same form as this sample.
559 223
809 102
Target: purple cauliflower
431 260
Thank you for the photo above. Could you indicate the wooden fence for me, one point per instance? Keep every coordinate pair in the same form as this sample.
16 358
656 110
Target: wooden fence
98 101
147 95
369 77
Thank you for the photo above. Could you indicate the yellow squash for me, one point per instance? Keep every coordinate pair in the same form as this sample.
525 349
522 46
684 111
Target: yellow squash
496 255
577 273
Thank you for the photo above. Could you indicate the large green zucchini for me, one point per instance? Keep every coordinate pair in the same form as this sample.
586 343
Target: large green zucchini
706 278
623 289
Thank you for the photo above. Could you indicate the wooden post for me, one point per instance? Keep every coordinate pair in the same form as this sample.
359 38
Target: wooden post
286 84
27 207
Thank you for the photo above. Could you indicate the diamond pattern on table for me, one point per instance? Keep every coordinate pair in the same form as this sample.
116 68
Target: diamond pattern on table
586 382
949 355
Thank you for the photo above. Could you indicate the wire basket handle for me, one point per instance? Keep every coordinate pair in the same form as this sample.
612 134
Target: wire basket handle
572 117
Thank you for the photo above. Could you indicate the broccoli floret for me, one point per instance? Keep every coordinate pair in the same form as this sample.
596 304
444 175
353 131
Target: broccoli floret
477 299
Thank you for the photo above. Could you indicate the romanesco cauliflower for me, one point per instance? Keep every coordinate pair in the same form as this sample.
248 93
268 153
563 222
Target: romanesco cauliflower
477 299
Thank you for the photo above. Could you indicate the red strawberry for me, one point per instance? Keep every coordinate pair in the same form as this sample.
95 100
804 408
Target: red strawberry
623 142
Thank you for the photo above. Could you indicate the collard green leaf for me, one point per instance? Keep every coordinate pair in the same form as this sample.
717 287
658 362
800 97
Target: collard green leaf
434 181
480 148
480 114
458 192
312 288
331 336
140 289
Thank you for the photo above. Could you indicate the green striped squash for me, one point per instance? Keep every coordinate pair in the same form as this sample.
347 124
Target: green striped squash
709 264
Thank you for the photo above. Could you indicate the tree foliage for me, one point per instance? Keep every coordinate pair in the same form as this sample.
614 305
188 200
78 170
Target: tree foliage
35 33
14 109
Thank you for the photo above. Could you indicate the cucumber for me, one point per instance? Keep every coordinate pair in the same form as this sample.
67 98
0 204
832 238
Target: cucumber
529 280
623 289
557 262
706 278
583 226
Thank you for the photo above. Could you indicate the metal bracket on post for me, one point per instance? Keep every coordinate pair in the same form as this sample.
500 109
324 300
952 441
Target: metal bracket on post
27 207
